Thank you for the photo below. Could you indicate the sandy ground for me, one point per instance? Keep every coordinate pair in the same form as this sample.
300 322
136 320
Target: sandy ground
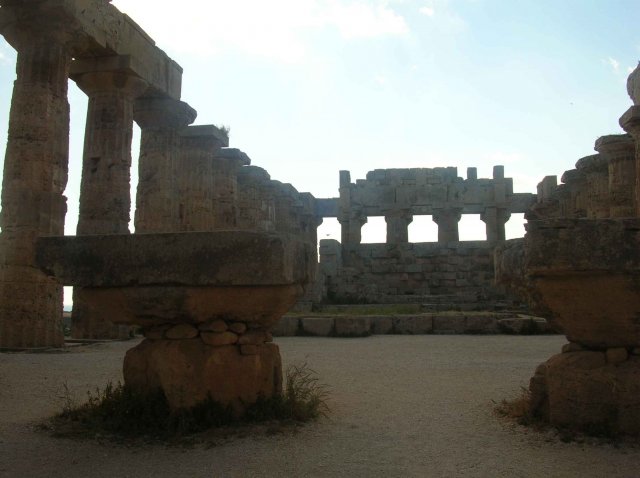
401 406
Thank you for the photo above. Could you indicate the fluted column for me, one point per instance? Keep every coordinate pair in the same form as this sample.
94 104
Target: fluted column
595 168
105 189
398 226
105 196
196 189
35 176
619 150
495 220
447 221
255 203
157 205
226 164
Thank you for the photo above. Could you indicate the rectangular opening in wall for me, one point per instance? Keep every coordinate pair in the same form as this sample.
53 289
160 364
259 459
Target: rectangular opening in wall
423 229
514 228
471 228
374 231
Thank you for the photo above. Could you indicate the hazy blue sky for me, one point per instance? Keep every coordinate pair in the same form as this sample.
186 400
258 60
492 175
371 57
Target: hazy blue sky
310 87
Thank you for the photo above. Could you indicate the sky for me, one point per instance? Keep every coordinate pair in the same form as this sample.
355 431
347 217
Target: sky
311 87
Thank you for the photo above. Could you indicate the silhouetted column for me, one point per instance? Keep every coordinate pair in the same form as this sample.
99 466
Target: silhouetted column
630 122
398 226
351 229
596 169
447 221
35 176
227 162
157 205
195 177
620 151
495 220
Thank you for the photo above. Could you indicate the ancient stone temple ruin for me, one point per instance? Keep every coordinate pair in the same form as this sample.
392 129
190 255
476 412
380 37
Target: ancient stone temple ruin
579 265
220 251
400 271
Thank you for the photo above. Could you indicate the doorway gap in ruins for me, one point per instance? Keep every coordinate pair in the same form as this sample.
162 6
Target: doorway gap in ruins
374 231
471 228
514 228
423 229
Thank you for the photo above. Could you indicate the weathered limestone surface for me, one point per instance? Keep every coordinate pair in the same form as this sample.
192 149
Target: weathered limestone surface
580 261
188 371
35 176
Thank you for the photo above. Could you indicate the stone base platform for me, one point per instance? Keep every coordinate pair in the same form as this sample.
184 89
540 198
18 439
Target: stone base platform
596 392
189 371
411 324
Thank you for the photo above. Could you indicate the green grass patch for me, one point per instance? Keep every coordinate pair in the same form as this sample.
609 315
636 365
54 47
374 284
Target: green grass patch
117 412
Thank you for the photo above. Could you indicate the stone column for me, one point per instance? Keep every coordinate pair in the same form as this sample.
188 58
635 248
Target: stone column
630 122
495 219
105 196
255 204
398 226
619 150
157 205
35 176
105 189
351 228
226 163
596 170
196 193
447 221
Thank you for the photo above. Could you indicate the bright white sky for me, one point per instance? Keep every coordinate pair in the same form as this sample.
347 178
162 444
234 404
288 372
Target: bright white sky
310 87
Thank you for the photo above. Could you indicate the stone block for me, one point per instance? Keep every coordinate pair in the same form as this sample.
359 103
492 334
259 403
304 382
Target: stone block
181 331
218 326
352 327
188 371
287 326
317 326
381 325
481 324
449 324
218 339
413 324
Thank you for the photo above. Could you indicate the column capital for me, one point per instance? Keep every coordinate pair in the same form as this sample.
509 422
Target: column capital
615 144
447 214
107 77
630 121
163 113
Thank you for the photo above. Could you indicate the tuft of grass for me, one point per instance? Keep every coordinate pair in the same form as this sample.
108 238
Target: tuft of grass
518 408
118 412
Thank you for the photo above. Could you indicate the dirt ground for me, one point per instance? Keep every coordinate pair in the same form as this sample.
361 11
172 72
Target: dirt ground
401 406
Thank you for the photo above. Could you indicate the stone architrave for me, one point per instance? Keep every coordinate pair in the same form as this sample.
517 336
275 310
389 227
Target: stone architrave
161 119
105 196
35 176
447 221
398 226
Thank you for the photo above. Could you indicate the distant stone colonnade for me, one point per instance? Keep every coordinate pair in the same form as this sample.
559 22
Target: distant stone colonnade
400 194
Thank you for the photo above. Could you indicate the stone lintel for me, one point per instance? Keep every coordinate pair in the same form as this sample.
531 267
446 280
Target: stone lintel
97 29
327 207
222 258
206 130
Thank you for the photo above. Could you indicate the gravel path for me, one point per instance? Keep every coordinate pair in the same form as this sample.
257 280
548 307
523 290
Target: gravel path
401 406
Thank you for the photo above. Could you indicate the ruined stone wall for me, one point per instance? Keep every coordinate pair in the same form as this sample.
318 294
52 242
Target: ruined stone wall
399 271
387 273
